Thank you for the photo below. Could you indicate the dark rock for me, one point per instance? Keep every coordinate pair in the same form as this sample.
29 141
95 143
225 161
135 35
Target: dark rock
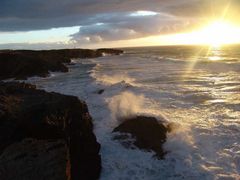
100 91
109 51
21 64
58 126
29 159
148 133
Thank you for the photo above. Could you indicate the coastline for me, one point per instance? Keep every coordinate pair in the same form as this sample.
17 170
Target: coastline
22 64
47 134
53 122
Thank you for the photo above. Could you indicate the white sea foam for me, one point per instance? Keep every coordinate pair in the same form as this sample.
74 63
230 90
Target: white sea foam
126 105
114 79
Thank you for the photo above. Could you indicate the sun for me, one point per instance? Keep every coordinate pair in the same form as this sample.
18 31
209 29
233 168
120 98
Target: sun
215 33
219 33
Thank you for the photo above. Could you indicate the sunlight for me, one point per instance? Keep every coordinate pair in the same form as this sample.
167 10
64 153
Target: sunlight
214 34
219 33
214 53
215 58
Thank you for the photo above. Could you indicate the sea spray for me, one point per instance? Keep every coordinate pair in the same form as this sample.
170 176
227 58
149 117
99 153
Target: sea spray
126 105
180 137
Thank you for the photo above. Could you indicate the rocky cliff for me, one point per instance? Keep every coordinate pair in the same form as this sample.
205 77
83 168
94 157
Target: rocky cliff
45 136
22 64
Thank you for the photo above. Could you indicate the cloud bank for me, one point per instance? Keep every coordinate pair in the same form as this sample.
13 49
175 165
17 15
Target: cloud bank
110 20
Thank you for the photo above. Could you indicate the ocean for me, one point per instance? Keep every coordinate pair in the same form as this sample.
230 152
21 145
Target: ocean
195 88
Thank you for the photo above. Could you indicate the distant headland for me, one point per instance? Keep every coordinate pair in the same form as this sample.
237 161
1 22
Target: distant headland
21 64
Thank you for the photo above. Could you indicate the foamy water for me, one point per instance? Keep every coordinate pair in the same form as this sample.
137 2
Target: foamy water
196 89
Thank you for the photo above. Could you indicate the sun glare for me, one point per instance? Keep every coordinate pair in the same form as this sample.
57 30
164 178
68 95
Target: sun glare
215 34
219 33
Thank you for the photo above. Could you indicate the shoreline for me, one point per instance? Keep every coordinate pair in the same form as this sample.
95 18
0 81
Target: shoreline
22 64
35 121
45 133
51 121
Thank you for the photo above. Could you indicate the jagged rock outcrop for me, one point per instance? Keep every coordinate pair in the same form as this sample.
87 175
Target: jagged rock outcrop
147 133
45 136
21 64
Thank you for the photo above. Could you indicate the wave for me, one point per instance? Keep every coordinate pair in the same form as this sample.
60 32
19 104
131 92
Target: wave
111 79
200 146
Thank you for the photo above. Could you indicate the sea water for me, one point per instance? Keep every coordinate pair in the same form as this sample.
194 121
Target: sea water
195 88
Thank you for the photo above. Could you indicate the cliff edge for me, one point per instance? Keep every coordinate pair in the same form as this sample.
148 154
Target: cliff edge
45 135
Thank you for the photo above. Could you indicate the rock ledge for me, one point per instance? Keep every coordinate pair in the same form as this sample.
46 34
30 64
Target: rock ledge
45 135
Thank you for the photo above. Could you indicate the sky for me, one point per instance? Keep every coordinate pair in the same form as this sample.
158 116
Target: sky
53 24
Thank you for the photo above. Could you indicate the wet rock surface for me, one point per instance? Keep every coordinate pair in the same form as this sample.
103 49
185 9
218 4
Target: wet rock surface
146 133
101 91
45 135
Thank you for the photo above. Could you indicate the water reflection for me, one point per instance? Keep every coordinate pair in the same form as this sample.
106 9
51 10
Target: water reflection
214 58
215 54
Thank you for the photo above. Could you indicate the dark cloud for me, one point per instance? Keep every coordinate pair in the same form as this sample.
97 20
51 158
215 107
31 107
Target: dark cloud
23 15
108 20
206 8
126 26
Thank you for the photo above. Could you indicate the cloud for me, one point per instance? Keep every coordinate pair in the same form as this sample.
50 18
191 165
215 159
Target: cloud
109 20
133 25
25 15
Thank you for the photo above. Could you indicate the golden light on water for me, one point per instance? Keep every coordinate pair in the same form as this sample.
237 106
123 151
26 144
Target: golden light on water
215 58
